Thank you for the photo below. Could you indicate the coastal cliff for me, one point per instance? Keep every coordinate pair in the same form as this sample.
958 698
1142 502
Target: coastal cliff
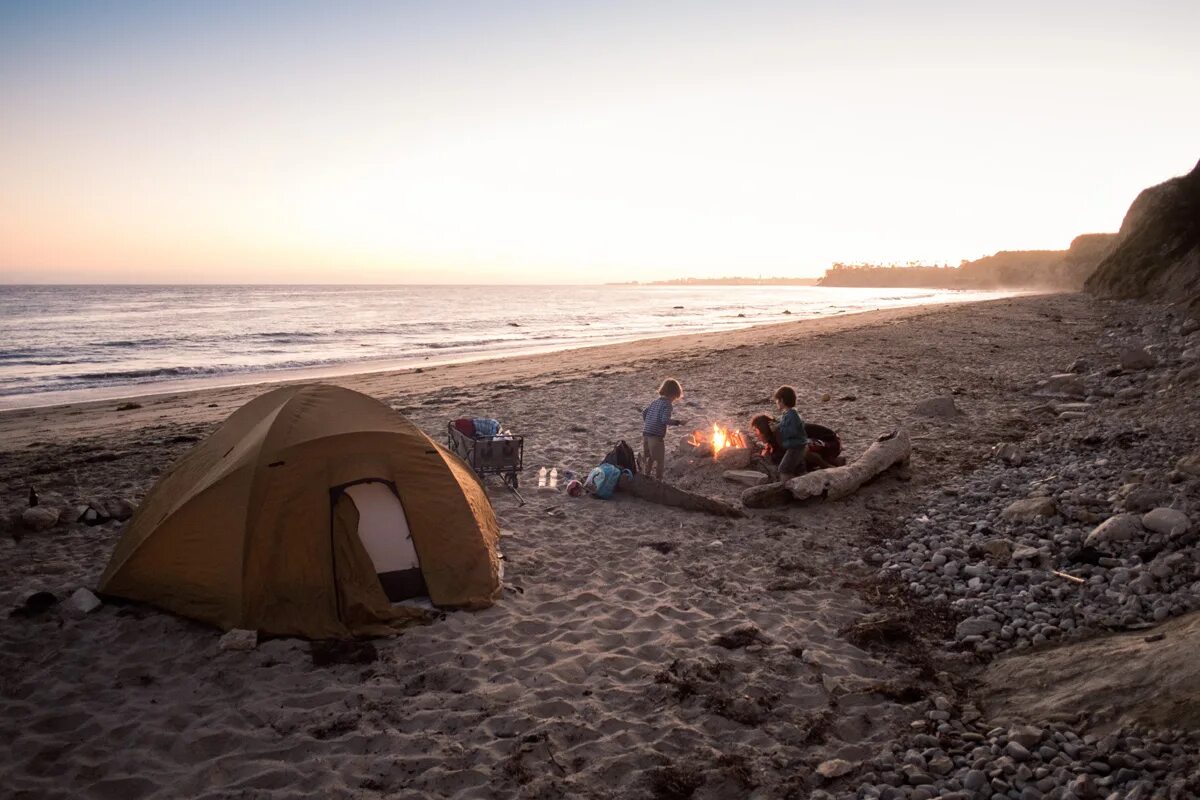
1157 254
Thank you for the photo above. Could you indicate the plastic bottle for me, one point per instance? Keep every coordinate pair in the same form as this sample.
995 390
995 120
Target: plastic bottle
542 478
554 478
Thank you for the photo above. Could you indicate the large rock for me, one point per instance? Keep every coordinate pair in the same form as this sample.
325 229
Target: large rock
39 518
1157 253
940 407
1121 528
1063 385
1137 358
1029 509
1166 520
1113 681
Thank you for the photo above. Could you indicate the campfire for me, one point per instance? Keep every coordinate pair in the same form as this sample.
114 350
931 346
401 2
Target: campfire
720 438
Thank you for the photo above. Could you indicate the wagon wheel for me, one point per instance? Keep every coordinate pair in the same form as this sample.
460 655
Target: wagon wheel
511 480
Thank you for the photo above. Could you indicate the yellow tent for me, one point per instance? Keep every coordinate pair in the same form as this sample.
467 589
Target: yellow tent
312 511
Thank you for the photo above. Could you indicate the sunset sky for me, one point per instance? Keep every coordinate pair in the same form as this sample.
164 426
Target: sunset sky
574 141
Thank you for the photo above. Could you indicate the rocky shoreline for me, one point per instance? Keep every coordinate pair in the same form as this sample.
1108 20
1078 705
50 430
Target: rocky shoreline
1085 528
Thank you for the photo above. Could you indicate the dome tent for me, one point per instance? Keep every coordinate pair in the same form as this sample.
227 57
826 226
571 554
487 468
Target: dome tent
310 512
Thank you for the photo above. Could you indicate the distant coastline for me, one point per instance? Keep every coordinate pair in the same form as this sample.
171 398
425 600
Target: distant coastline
725 282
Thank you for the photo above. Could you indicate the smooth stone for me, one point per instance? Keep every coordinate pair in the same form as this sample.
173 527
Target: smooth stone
83 601
1029 509
1016 751
239 639
1121 528
745 477
1186 376
834 768
1026 553
1137 358
1063 385
1189 465
1001 549
1009 453
1166 520
976 626
39 518
942 407
1025 735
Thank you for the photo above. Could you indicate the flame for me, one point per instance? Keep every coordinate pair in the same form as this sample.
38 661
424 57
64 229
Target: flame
720 438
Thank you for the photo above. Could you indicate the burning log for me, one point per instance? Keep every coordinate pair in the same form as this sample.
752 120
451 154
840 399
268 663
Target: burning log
833 484
648 488
718 439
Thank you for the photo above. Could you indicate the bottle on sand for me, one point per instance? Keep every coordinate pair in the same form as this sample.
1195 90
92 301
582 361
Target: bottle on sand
554 478
542 478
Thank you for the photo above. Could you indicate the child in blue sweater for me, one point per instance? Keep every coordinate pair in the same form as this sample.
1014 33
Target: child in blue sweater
792 437
655 419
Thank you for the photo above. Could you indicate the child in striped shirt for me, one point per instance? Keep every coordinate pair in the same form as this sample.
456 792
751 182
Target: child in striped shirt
655 419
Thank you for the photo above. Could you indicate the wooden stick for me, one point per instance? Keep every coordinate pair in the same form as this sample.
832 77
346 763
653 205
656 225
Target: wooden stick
1071 578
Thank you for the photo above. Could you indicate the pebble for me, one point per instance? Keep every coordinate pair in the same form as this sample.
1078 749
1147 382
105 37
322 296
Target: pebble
83 601
238 639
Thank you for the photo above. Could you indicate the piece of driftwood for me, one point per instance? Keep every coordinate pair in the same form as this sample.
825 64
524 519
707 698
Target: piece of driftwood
647 488
887 451
766 495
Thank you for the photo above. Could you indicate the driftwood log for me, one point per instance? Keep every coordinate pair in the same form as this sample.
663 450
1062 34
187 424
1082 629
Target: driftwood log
884 453
647 488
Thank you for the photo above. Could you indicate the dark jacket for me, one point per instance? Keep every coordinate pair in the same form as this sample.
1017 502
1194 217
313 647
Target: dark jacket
791 431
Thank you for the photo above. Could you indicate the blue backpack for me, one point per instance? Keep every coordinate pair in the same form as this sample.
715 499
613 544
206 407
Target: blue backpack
602 480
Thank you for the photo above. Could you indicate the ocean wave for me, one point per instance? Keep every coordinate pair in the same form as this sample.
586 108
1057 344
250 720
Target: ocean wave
154 372
124 343
466 343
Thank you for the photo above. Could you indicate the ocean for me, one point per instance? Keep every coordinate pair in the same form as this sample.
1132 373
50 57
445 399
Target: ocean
63 344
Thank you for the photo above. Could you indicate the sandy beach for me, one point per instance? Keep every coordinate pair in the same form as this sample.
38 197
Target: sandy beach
637 651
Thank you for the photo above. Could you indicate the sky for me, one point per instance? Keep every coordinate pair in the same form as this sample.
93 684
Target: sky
574 142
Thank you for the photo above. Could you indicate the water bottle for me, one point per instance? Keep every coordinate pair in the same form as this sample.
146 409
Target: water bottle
554 478
542 478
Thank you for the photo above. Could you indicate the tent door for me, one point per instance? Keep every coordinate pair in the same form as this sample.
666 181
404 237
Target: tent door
383 531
